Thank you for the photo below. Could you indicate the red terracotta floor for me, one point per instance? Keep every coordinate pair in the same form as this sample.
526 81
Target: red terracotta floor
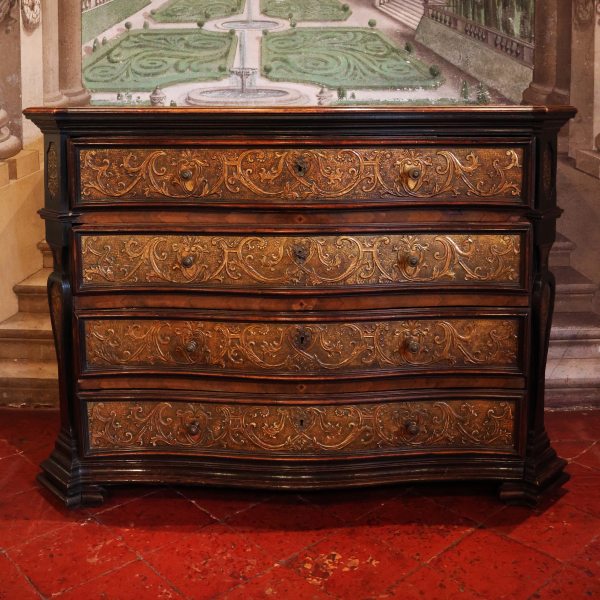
428 541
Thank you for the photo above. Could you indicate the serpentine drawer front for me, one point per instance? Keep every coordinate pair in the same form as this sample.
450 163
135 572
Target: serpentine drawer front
324 261
301 298
280 176
279 349
305 430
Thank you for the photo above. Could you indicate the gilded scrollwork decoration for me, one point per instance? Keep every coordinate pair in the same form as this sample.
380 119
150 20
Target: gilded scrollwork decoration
368 174
52 176
293 261
310 349
286 430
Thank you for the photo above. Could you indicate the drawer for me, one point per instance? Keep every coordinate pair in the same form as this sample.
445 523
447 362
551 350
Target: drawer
301 429
281 349
349 261
287 175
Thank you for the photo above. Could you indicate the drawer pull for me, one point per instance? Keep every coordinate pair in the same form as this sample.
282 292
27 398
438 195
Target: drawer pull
413 347
187 261
412 427
300 252
301 167
413 260
191 346
414 173
193 427
186 175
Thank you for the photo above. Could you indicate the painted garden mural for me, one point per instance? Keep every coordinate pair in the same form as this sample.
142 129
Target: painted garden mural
306 52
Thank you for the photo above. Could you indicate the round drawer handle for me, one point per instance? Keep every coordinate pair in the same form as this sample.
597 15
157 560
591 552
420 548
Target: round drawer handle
412 427
193 427
414 173
191 346
413 260
413 347
186 175
187 261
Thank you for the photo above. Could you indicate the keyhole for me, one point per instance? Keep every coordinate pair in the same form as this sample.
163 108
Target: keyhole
300 167
302 339
301 422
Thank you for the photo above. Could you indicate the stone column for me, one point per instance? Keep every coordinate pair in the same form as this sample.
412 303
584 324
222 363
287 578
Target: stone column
561 92
69 50
9 144
545 58
585 86
52 93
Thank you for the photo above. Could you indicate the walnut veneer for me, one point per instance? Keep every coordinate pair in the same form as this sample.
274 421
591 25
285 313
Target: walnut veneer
301 298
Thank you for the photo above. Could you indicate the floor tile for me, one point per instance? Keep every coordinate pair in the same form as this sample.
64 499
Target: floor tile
60 560
213 561
475 501
279 583
30 431
575 425
583 489
285 524
427 583
120 495
7 449
31 514
560 530
13 584
354 560
588 559
496 567
223 503
349 505
155 520
134 581
591 457
17 474
569 584
569 449
420 526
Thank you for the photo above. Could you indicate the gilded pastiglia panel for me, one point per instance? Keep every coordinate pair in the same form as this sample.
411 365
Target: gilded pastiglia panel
311 348
284 429
285 175
295 262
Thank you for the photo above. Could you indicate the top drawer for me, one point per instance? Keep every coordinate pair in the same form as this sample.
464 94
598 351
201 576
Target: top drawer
283 176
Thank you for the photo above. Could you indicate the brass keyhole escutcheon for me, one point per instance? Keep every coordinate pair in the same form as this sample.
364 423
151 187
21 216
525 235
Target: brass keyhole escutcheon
302 338
301 166
191 346
412 427
186 174
414 173
300 252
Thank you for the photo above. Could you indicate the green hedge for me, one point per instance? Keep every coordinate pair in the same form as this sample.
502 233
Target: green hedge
99 19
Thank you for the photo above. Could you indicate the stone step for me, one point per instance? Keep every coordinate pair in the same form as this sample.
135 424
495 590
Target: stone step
560 255
44 248
27 335
32 294
28 383
408 12
574 291
575 335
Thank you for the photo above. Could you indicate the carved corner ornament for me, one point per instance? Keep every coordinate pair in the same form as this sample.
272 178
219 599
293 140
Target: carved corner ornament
6 19
585 11
52 183
31 12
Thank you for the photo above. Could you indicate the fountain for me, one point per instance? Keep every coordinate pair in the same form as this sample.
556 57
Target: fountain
246 93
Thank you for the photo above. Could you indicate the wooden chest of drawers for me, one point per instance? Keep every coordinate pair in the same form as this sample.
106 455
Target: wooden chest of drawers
301 298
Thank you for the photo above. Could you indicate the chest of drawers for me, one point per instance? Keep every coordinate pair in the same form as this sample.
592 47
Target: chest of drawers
301 298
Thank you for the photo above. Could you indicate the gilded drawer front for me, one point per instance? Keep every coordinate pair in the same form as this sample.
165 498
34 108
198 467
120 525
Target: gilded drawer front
293 430
273 349
300 262
285 175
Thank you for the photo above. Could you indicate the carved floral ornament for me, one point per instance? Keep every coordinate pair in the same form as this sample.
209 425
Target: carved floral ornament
6 18
584 12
